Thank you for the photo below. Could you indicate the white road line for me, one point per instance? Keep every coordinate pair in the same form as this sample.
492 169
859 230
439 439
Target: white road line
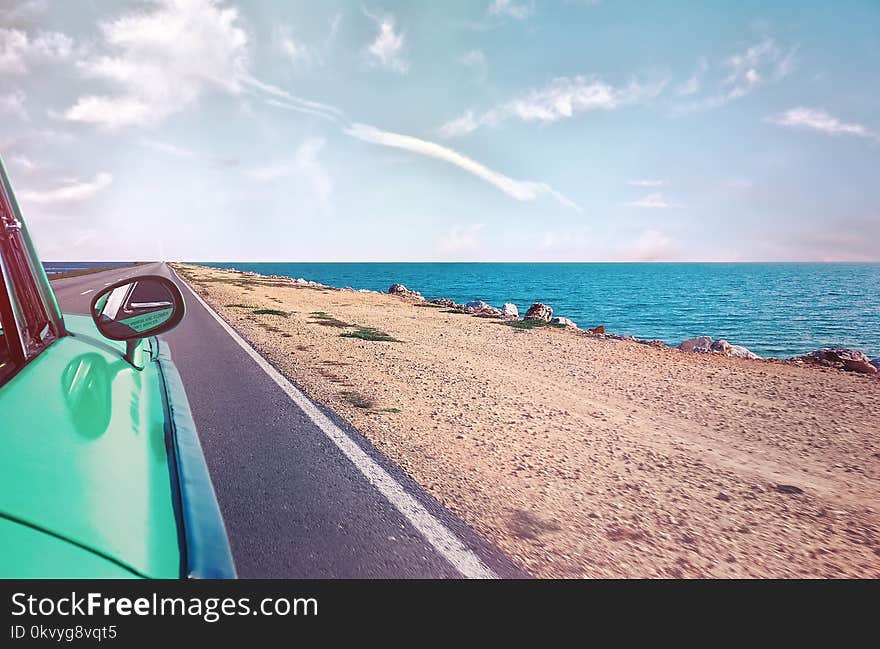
438 535
91 290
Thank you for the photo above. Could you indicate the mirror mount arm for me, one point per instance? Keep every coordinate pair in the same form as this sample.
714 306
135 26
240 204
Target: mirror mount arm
134 353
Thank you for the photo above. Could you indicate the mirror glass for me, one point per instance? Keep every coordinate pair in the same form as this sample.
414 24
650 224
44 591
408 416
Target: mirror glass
138 308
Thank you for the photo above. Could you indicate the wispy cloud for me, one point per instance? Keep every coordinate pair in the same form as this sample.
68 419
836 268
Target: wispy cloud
654 202
295 51
561 99
476 61
167 148
511 9
12 103
818 120
691 86
386 50
69 192
24 163
646 182
303 55
743 72
19 50
521 190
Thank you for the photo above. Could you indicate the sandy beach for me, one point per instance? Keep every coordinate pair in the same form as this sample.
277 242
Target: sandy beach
582 456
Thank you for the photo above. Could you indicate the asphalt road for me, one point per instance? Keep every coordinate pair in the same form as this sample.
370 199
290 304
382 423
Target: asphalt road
294 504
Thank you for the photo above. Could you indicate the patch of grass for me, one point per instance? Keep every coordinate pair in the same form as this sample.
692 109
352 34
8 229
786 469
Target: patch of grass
530 324
370 333
270 312
357 399
393 411
326 320
454 311
241 306
428 305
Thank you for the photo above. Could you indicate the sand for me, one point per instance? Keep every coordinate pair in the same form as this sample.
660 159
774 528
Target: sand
587 457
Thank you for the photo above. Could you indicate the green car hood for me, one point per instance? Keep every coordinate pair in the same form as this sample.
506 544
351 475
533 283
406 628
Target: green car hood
84 457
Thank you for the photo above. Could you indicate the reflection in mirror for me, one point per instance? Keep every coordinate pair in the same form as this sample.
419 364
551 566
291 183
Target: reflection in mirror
134 309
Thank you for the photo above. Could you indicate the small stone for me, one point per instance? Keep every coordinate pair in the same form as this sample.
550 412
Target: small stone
539 311
509 310
788 489
723 496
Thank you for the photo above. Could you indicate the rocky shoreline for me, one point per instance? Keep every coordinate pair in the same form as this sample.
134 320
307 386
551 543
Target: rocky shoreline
851 360
840 358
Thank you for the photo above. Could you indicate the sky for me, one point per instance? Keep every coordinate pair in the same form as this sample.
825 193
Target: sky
467 130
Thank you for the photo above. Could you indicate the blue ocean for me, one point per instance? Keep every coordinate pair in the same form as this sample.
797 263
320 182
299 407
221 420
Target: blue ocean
774 309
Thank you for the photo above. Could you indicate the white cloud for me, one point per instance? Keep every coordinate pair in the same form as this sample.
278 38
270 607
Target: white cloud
654 202
71 191
166 147
745 71
816 119
459 126
18 50
562 98
517 10
521 190
387 49
12 103
162 61
646 182
460 240
306 165
23 10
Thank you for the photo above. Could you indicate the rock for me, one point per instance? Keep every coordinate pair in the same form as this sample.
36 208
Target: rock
841 358
597 330
565 322
476 306
509 310
738 351
490 312
720 347
539 311
403 291
443 301
700 343
875 362
788 489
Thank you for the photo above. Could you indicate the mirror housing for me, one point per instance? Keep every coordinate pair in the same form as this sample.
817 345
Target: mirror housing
137 308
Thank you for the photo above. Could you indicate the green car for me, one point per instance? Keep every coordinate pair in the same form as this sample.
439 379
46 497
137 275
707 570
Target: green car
101 470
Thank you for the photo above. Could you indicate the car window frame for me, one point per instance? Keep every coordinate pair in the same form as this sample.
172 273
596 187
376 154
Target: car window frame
26 290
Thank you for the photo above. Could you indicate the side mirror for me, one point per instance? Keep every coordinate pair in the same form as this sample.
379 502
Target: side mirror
137 308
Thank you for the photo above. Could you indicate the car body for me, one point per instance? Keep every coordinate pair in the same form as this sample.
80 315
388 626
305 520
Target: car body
101 469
